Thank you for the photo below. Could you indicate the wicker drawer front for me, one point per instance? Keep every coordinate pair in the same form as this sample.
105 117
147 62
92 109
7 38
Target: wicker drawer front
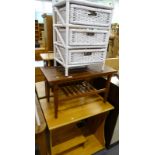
85 37
82 56
86 56
85 15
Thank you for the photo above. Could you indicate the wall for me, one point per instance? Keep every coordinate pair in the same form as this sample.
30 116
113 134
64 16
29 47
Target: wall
42 7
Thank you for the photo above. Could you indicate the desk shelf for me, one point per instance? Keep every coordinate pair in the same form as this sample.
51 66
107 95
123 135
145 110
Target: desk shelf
66 141
75 140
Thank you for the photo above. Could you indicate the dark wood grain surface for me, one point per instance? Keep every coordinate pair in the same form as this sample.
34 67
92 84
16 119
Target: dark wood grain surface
56 74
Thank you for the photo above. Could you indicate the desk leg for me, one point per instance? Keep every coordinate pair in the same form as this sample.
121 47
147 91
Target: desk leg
48 63
55 92
47 91
107 87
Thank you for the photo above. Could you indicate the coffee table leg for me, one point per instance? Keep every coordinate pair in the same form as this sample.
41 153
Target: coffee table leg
55 92
47 91
107 87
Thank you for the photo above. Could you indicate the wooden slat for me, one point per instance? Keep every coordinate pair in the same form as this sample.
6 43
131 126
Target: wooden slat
65 91
82 94
78 91
85 86
90 86
74 90
83 89
69 89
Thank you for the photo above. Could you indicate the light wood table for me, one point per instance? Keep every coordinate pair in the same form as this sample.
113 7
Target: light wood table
47 57
79 129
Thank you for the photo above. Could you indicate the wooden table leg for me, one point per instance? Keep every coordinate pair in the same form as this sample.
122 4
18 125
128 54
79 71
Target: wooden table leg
48 63
55 92
107 86
47 91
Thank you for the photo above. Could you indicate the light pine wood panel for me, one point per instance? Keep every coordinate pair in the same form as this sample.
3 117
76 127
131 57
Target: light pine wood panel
72 110
91 146
85 107
66 138
96 126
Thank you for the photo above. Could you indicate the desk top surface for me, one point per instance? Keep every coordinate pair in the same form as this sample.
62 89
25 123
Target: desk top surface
39 48
56 74
73 110
47 56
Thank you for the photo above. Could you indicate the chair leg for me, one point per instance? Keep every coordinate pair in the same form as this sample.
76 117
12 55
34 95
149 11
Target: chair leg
55 92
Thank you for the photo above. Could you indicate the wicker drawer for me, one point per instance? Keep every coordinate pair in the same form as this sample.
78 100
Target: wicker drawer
82 56
83 37
86 56
85 15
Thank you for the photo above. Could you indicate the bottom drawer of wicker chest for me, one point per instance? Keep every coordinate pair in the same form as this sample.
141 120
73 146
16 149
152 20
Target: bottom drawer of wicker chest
86 56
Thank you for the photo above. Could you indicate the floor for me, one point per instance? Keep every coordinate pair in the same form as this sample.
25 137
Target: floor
112 151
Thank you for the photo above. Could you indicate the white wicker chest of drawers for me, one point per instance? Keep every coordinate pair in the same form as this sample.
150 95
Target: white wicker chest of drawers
80 32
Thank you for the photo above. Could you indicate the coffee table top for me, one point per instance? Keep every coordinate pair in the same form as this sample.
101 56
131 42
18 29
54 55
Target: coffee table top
56 74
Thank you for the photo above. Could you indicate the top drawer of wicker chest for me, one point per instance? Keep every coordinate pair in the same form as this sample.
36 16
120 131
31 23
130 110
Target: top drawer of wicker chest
86 15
